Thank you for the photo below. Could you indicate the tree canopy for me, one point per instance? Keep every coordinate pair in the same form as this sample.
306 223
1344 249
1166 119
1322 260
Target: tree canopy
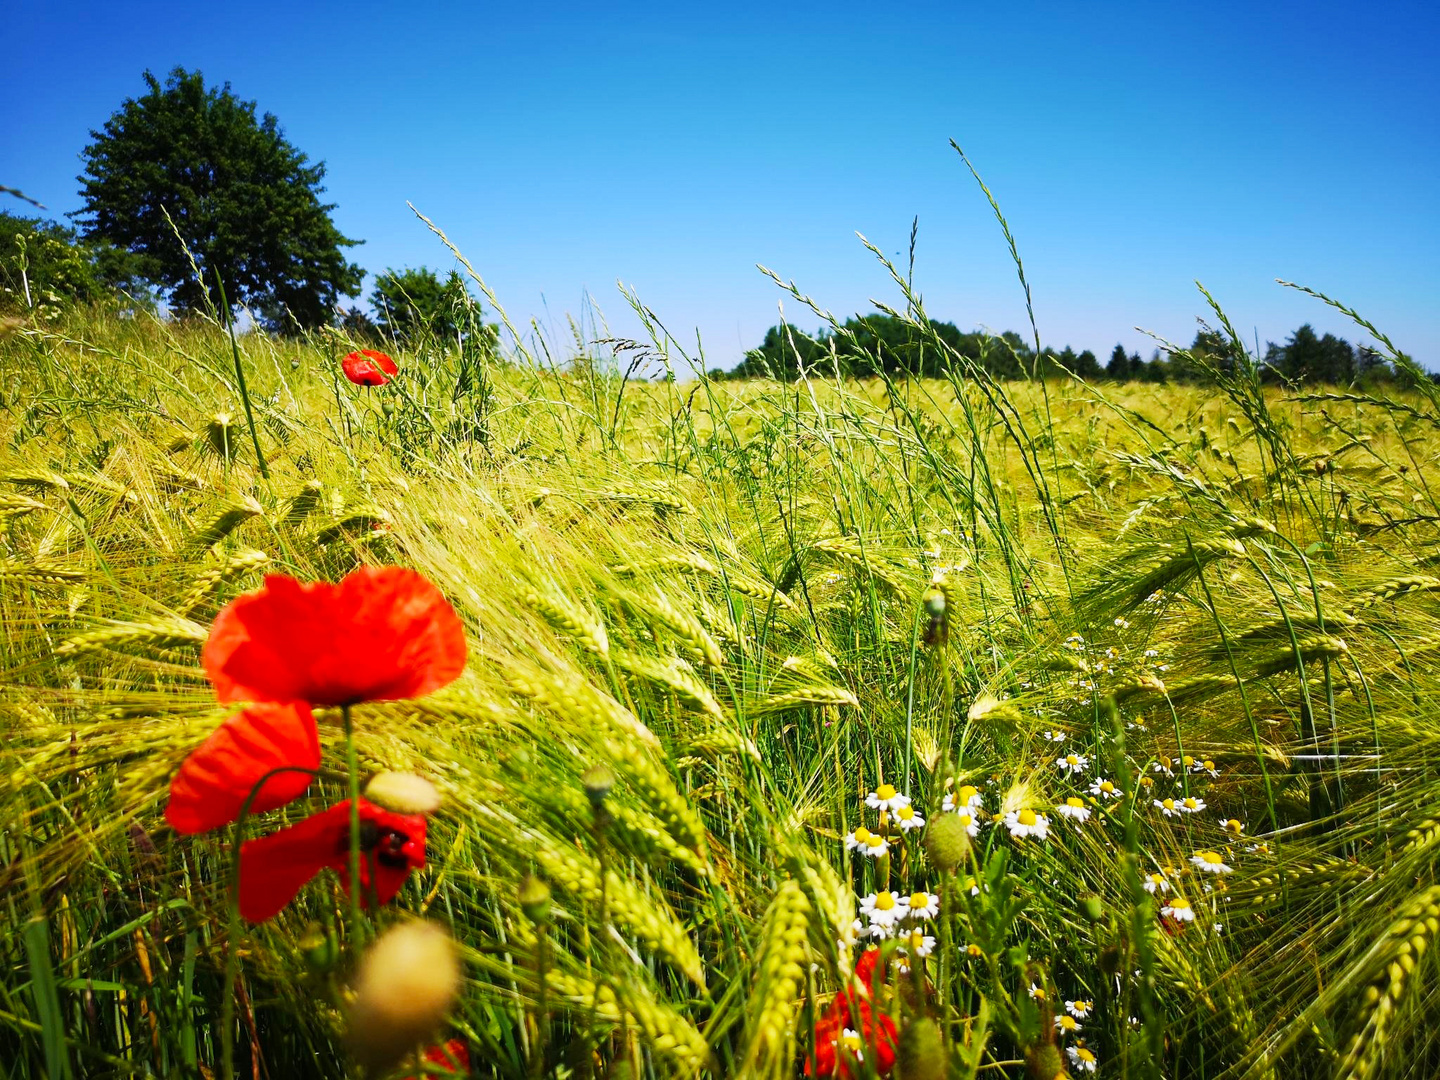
194 185
886 344
410 301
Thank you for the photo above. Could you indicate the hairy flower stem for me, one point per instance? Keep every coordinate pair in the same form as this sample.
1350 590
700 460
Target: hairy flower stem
352 766
232 940
542 1008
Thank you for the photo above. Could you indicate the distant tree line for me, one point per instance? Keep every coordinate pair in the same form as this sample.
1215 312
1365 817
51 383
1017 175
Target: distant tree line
880 343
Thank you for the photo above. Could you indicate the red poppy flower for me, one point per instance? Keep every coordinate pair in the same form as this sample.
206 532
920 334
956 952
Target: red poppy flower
851 1009
368 368
451 1058
381 634
274 868
215 780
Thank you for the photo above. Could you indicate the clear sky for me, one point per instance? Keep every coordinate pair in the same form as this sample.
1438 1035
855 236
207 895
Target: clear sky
564 147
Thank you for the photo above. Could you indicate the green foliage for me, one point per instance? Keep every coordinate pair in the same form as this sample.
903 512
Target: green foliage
190 181
44 267
412 302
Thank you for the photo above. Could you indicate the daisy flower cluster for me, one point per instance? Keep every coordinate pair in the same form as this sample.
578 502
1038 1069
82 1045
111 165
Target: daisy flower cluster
1070 1022
886 913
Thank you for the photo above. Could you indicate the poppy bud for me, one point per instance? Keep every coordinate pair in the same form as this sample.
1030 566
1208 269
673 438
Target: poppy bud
1043 1062
404 793
598 780
294 364
534 899
387 407
406 984
319 948
922 1053
1110 959
946 842
1091 907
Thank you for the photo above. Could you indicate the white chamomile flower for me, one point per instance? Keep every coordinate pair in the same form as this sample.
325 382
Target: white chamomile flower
885 797
1179 909
858 839
1232 826
1023 823
851 1042
1079 1009
921 905
1106 789
908 819
875 846
1168 807
966 795
1208 766
1122 623
881 931
971 821
973 886
1066 1024
917 943
1156 883
883 908
1074 809
1190 805
1073 763
1210 862
1036 991
1053 736
1081 1058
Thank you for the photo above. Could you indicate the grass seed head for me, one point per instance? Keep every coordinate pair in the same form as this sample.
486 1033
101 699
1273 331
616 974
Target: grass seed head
406 984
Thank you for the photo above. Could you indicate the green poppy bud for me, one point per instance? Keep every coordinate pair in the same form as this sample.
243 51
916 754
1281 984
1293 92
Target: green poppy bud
1091 907
534 899
598 780
947 843
922 1052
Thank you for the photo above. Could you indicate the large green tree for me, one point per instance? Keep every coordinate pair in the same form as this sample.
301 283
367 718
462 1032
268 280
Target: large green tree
187 172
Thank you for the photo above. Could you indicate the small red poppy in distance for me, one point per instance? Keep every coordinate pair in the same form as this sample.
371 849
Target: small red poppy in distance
274 868
368 368
450 1058
215 780
381 634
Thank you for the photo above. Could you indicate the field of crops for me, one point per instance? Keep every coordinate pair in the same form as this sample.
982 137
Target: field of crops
949 728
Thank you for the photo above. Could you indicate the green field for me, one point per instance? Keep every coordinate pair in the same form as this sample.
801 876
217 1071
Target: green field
755 603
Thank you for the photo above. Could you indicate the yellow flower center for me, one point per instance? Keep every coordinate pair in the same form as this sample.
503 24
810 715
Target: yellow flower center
1082 1006
1180 904
1188 760
966 820
1083 1054
851 1041
974 950
1026 818
968 792
1165 762
1107 787
1211 858
1209 765
884 901
1157 878
1169 804
919 900
1190 804
1233 825
885 792
917 939
1072 801
1071 759
905 813
862 834
874 841
1067 1023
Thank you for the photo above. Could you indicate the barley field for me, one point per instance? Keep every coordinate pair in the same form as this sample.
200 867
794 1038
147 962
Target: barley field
936 728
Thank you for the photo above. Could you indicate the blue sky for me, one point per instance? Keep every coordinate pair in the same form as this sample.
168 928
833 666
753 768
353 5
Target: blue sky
564 147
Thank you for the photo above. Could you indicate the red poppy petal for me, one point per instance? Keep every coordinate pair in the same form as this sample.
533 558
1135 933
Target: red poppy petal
382 634
274 868
363 371
452 1058
386 364
213 783
390 867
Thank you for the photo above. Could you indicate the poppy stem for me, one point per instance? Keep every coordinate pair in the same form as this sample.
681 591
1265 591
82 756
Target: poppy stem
357 928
